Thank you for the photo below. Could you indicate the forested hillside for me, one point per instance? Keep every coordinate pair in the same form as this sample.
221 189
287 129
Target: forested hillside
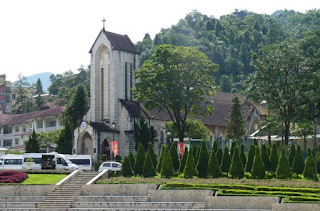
228 41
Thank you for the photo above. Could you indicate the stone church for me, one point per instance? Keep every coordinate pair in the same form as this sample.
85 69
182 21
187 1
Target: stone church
113 111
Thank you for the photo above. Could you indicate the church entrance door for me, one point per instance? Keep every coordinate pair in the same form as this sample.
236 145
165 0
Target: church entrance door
105 149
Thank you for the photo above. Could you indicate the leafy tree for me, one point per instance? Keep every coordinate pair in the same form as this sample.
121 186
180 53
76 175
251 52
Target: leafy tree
274 158
225 84
183 160
258 168
23 103
292 154
148 166
226 161
243 156
308 171
235 126
152 155
140 157
236 168
126 170
181 89
32 145
64 143
190 169
203 160
219 155
47 138
132 160
167 166
283 169
39 90
143 133
214 169
265 157
174 156
159 165
251 154
298 162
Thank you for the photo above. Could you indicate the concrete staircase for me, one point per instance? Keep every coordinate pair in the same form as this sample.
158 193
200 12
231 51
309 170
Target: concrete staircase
63 196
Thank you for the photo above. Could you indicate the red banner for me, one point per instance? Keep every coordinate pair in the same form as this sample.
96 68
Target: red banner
114 146
181 148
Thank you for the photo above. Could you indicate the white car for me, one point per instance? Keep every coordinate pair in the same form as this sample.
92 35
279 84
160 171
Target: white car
110 165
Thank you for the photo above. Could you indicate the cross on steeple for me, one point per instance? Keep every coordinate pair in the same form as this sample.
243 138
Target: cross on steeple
104 20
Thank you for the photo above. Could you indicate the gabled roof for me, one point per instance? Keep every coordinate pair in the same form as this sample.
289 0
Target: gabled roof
101 127
118 42
134 109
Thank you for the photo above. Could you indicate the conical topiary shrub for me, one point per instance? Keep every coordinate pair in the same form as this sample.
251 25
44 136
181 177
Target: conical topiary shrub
190 169
243 156
215 146
226 161
159 165
292 154
196 158
265 157
283 169
183 160
167 166
258 170
138 166
318 161
236 168
298 162
308 171
131 160
214 169
250 158
152 155
174 156
219 155
203 160
233 145
126 170
274 157
148 167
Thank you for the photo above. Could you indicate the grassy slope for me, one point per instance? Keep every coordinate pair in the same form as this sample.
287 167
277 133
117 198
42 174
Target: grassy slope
43 179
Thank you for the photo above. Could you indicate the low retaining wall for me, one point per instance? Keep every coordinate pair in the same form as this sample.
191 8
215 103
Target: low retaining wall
179 195
296 207
240 202
117 189
26 190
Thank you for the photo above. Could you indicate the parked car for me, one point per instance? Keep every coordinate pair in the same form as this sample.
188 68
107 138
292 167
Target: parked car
110 165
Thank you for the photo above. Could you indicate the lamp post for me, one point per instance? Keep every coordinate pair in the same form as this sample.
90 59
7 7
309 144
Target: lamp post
113 125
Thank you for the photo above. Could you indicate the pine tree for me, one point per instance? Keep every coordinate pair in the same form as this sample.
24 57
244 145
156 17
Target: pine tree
236 168
167 166
214 169
258 169
243 156
190 170
308 171
298 162
140 157
236 125
143 133
64 143
32 145
39 90
215 146
148 166
219 155
283 169
250 158
226 161
152 154
274 158
183 160
265 157
233 145
174 156
132 160
292 154
159 165
38 102
126 170
203 160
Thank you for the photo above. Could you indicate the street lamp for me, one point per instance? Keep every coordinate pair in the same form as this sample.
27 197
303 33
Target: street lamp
113 125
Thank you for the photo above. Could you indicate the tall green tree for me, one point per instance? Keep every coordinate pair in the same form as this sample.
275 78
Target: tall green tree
292 154
214 169
226 161
236 167
236 124
143 133
190 169
183 74
183 160
126 170
32 145
148 167
23 103
243 156
298 162
274 158
159 165
203 160
152 154
219 155
251 154
174 156
283 168
64 143
39 87
225 84
308 171
265 157
258 168
167 166
139 161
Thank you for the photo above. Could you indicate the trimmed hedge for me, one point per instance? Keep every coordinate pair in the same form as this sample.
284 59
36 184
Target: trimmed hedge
12 176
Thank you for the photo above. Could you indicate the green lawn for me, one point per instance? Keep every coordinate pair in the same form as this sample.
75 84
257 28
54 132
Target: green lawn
43 179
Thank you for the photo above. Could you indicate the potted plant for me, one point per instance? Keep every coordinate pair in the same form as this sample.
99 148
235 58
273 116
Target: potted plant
29 162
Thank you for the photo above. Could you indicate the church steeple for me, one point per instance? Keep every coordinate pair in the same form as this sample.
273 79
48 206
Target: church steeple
104 20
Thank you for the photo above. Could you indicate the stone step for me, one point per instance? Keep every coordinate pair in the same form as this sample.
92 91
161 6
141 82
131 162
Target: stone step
112 199
159 209
21 198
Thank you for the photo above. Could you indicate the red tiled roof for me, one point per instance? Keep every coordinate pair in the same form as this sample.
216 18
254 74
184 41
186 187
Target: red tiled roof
20 118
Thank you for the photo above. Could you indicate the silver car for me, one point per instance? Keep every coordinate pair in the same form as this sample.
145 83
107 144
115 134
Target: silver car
110 165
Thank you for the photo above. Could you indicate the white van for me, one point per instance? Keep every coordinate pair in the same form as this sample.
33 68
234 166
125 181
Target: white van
82 161
11 162
47 161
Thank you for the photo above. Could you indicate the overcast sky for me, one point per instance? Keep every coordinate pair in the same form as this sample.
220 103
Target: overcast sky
55 36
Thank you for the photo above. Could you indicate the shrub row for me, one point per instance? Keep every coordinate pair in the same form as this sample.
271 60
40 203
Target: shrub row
12 176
